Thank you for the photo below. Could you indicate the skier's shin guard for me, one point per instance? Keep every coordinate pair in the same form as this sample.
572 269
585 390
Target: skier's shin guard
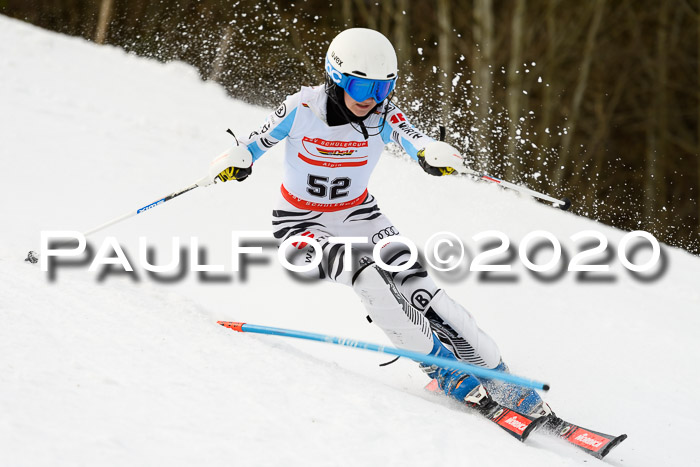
405 326
456 327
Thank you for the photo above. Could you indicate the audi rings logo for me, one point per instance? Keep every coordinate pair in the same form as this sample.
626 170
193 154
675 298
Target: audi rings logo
384 233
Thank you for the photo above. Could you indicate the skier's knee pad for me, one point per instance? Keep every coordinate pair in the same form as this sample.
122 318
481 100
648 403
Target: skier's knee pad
405 326
455 326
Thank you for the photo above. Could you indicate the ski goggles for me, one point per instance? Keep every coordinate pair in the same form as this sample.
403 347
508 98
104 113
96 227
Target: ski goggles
361 89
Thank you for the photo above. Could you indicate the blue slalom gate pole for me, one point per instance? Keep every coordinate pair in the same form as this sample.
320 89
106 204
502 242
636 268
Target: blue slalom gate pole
418 357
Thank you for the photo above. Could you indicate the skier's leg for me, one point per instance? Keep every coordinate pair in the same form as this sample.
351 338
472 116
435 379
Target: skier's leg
457 330
289 221
407 328
452 323
383 295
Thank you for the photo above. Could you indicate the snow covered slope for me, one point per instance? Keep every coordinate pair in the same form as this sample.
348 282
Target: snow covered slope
122 370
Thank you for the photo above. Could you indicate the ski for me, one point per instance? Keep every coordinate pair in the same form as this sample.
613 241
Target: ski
520 425
593 442
515 423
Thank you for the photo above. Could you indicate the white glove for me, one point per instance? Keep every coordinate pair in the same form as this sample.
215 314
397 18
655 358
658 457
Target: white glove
440 158
234 164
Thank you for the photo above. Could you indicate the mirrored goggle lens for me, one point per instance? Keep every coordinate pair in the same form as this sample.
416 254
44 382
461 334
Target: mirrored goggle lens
382 89
359 89
362 89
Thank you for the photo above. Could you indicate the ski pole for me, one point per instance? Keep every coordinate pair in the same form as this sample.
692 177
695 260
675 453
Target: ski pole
175 194
418 357
33 256
564 203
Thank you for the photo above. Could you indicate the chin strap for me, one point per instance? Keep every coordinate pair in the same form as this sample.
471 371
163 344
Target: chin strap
364 130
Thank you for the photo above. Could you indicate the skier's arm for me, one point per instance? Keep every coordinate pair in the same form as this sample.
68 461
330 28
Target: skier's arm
237 162
422 148
274 129
399 130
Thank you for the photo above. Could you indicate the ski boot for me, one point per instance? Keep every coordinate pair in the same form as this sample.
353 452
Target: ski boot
514 397
457 384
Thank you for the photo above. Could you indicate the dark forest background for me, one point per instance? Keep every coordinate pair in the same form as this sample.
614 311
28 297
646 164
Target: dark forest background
598 100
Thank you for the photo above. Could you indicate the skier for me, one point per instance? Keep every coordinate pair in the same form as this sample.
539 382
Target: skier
335 134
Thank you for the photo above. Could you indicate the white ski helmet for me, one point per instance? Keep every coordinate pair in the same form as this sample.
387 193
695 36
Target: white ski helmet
366 54
363 52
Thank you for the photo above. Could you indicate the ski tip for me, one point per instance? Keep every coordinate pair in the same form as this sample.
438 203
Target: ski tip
232 325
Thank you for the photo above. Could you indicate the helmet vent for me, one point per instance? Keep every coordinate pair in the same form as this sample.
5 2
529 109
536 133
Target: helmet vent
390 75
359 73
